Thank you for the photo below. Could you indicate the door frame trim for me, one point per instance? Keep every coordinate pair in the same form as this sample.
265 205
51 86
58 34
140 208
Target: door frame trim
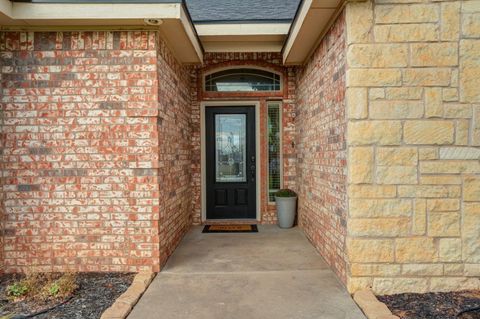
228 103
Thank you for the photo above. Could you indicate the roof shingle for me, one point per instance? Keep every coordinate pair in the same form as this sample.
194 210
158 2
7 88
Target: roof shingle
242 10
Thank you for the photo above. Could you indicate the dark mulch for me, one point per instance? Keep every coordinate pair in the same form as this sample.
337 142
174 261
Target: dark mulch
96 292
434 305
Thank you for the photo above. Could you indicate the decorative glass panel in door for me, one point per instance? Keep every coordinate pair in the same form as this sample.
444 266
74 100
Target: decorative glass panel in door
230 138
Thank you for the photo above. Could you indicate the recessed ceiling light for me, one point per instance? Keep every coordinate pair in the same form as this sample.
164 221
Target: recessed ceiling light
153 21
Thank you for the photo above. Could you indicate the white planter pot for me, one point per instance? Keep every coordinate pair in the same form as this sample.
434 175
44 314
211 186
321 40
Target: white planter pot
286 210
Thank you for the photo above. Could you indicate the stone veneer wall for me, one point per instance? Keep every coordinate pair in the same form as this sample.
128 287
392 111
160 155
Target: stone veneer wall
413 92
321 148
174 169
83 151
268 60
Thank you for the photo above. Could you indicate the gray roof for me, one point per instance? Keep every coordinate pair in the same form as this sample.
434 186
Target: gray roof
242 10
218 11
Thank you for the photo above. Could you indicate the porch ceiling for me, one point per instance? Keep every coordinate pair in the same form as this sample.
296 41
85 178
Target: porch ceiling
174 21
243 37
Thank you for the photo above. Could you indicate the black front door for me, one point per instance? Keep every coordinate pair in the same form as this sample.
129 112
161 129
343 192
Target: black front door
230 162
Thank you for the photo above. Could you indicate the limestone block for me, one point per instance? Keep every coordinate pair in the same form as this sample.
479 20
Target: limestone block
396 175
396 109
441 179
434 54
458 110
471 189
450 249
423 191
380 270
415 13
397 156
471 6
359 21
376 94
419 221
446 284
443 204
399 285
444 224
450 94
433 102
450 26
471 25
372 191
404 93
476 137
469 71
370 250
379 227
427 77
453 269
373 77
380 207
377 55
450 167
460 153
374 132
406 32
416 249
357 103
427 153
462 132
422 270
429 132
471 233
454 81
472 270
362 171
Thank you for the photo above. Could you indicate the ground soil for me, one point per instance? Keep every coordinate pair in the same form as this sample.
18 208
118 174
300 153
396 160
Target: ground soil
434 305
96 292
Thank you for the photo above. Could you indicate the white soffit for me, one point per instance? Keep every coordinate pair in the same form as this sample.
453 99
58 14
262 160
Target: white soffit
309 24
243 37
176 27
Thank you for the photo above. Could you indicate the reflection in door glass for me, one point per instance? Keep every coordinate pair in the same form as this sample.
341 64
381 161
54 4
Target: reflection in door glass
230 148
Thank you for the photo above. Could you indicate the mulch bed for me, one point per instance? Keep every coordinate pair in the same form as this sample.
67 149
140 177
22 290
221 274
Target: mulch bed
433 305
96 293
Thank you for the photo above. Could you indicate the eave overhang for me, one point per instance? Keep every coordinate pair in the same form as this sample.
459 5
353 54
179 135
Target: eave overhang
175 23
243 36
312 20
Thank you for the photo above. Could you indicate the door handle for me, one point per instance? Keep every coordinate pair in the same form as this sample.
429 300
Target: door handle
253 172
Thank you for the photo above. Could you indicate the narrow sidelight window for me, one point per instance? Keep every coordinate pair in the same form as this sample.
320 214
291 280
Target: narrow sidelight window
274 149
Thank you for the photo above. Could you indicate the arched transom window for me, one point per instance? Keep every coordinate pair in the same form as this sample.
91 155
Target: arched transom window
242 80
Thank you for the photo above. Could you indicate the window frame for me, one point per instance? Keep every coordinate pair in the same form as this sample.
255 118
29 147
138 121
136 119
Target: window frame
239 67
280 131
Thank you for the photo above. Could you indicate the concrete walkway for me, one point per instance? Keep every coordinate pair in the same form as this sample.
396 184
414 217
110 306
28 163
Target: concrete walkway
273 274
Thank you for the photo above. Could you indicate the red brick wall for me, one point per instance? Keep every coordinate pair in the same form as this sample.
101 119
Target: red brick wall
259 59
2 194
174 174
86 152
321 149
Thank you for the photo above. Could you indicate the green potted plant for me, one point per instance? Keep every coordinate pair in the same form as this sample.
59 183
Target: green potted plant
286 200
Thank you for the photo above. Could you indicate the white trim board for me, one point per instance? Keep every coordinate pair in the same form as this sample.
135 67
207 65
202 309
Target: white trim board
203 184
